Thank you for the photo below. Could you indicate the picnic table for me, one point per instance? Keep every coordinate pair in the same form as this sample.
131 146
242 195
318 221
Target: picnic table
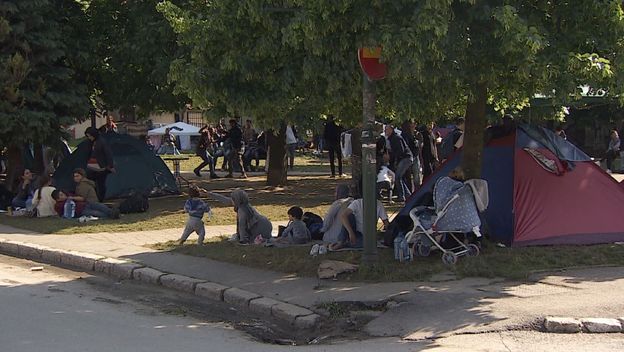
175 159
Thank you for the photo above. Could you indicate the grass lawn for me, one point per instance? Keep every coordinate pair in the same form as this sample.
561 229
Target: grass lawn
313 193
303 163
508 263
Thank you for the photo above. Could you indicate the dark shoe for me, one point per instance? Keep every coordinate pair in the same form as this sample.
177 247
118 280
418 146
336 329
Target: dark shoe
229 176
214 176
197 173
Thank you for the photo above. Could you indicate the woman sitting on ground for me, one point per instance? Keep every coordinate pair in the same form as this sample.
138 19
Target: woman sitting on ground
42 200
331 222
249 223
25 190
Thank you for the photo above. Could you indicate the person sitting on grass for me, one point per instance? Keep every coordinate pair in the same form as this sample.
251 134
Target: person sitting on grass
195 208
85 188
85 191
25 190
331 222
351 235
296 232
43 201
249 223
82 208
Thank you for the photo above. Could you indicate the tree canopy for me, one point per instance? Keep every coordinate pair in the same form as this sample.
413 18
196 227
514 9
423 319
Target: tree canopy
132 47
258 55
41 89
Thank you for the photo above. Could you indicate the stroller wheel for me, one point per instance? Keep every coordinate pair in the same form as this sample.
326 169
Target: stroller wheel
473 250
449 258
423 249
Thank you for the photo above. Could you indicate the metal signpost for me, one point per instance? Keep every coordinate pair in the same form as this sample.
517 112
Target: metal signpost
373 70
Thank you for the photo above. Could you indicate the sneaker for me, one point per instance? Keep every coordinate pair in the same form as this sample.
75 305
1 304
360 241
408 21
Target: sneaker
315 250
213 176
197 173
343 175
233 238
332 176
322 250
82 219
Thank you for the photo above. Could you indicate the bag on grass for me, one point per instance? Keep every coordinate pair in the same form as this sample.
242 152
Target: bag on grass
314 223
135 203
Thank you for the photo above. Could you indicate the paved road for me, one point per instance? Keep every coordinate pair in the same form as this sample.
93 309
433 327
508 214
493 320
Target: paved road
59 310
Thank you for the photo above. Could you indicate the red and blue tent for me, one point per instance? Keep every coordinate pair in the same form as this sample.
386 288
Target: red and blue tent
543 191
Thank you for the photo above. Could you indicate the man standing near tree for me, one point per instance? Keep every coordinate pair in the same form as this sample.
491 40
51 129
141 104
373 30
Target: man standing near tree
331 136
401 160
235 137
100 162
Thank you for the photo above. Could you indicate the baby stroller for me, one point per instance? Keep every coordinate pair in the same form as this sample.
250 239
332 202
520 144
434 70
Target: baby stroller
456 210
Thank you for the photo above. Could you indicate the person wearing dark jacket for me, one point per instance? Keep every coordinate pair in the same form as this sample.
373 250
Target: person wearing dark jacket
100 162
429 150
204 147
414 141
331 137
401 160
235 138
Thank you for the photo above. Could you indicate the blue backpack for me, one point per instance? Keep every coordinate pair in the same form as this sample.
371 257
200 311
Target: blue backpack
402 251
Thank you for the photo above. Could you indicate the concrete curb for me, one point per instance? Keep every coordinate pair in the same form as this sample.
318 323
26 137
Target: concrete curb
282 312
568 325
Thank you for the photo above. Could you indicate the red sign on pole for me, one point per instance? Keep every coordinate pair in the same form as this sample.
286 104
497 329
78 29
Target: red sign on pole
369 62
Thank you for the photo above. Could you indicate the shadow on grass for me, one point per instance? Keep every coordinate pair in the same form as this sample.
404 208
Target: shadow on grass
312 193
494 262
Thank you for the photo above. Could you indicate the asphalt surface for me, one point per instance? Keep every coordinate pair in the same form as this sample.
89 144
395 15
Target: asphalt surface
59 310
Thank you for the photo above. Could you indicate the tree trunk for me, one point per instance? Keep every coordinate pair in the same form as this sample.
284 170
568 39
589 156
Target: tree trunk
277 173
474 132
14 166
39 166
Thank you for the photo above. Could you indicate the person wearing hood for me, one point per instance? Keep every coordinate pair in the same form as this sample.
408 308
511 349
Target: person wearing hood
100 162
249 223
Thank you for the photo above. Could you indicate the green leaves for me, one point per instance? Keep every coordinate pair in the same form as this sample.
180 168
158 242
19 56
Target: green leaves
41 90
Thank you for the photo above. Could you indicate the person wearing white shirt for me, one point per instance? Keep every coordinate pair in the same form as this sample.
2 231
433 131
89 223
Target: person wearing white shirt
385 181
291 144
353 224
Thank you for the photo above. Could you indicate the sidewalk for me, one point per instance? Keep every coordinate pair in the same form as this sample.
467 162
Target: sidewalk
424 309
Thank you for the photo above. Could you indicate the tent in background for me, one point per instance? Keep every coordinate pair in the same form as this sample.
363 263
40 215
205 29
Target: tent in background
137 168
182 131
543 191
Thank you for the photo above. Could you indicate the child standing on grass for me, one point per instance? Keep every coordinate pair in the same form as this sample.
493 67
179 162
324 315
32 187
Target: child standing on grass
195 208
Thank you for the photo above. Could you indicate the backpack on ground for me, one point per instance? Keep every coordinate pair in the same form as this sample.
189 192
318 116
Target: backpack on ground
402 250
135 203
314 223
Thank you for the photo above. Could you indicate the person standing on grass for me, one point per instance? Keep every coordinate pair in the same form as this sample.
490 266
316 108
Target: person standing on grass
195 208
331 137
291 145
401 160
204 147
235 138
613 150
249 223
100 162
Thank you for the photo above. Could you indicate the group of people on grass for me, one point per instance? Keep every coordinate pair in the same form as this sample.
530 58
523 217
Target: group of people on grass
342 226
38 197
238 147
